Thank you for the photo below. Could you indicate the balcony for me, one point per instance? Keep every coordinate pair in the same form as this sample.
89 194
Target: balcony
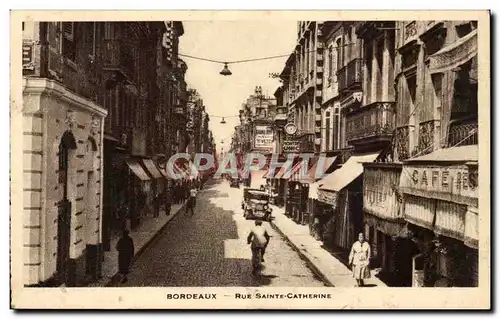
115 57
371 123
350 76
463 132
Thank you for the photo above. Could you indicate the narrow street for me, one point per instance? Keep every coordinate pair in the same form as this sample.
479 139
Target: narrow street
209 249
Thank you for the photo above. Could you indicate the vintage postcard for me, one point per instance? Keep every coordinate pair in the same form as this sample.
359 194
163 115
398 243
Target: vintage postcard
250 160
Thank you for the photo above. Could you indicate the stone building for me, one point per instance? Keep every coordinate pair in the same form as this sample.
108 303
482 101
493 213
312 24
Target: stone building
63 131
437 141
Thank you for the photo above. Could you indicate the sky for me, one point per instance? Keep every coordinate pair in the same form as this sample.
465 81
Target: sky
232 41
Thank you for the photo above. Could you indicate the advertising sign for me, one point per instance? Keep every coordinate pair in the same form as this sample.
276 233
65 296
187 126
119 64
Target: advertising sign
264 137
290 146
449 183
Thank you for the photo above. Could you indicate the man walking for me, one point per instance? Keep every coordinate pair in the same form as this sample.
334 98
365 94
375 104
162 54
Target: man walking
125 247
192 200
259 238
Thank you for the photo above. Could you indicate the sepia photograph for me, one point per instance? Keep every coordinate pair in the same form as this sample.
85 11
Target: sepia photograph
250 160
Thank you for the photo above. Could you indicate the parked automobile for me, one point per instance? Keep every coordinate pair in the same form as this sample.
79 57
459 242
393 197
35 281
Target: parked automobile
255 204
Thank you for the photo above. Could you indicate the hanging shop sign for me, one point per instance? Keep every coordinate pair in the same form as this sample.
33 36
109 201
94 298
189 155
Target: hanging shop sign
327 197
380 195
264 137
450 183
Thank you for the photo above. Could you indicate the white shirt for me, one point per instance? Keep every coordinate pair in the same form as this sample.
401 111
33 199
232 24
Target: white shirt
259 238
193 192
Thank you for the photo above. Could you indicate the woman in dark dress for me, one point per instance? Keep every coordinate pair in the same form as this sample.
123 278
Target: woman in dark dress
125 247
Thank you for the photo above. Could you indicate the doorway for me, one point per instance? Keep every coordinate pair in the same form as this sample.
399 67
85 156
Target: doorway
67 144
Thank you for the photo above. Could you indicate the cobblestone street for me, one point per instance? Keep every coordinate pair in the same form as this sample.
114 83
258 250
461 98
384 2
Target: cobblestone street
209 249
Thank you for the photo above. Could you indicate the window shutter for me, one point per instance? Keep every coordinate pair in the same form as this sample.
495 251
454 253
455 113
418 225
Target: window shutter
54 39
91 40
68 30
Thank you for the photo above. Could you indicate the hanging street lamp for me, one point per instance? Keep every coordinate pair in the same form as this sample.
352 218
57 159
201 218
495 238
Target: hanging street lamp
223 121
225 71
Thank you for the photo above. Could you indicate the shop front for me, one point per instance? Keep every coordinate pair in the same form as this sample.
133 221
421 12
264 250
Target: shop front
319 211
154 198
385 227
139 187
342 190
441 200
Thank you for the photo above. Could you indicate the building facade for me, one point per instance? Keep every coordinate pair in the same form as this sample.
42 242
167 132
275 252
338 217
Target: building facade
399 131
63 124
111 109
437 142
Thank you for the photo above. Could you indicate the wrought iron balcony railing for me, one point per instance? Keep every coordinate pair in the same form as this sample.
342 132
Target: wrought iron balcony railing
350 76
374 121
463 132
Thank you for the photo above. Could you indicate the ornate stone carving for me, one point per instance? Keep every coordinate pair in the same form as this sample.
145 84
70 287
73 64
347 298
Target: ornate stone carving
410 30
70 118
358 96
95 123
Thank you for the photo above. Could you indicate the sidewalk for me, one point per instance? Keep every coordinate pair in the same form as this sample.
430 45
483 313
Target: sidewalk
329 268
145 233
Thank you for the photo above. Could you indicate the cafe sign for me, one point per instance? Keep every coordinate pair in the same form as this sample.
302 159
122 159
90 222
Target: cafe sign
449 183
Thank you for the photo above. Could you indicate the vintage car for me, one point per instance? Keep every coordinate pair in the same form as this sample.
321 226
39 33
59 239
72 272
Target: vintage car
255 204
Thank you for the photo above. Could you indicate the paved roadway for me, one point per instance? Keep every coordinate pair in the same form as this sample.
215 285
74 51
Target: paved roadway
209 249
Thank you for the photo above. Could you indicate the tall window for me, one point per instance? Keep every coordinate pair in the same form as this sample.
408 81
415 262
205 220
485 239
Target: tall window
330 65
327 128
369 72
349 46
68 40
380 68
90 42
339 54
336 124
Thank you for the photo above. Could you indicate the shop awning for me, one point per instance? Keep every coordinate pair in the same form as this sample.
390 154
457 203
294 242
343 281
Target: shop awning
297 170
152 169
163 172
137 169
315 177
469 153
282 171
348 172
455 54
318 169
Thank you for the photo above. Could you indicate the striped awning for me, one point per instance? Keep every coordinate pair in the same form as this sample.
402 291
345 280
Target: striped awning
455 54
137 169
152 169
348 172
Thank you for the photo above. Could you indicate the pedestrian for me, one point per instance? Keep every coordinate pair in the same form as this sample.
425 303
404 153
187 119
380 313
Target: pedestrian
156 203
259 238
125 247
168 201
191 202
359 260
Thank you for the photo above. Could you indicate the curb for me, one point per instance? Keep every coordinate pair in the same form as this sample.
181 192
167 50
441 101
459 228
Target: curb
308 261
148 243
